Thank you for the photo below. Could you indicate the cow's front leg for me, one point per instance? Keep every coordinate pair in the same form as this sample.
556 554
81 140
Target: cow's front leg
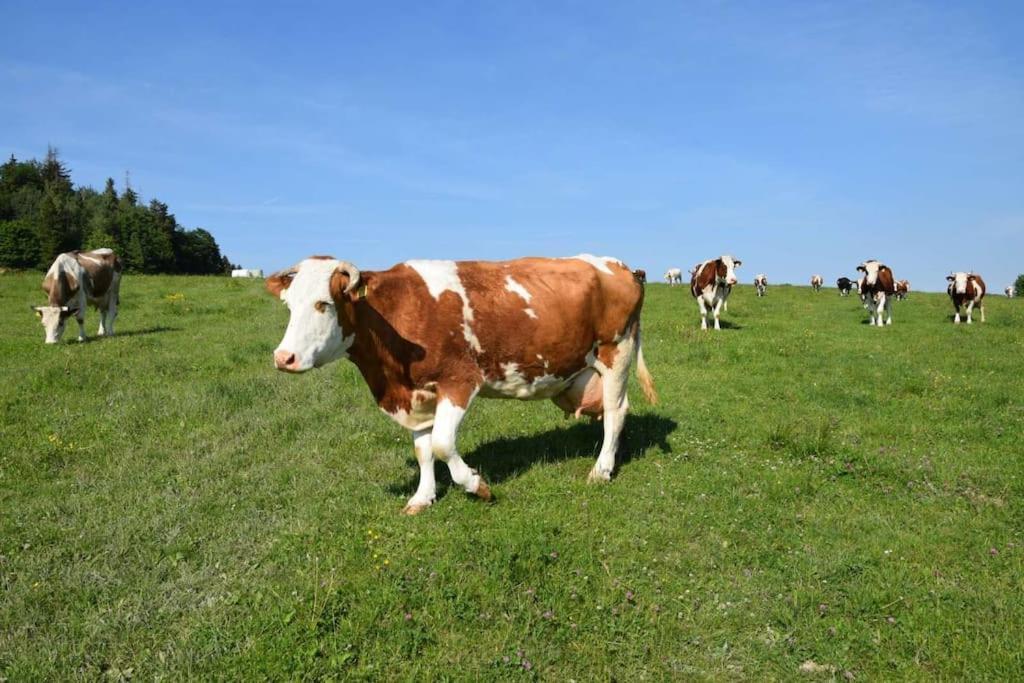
717 311
81 327
703 312
970 310
956 316
888 311
614 379
447 419
427 489
981 309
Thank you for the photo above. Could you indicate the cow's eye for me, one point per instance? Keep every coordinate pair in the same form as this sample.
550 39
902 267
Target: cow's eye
322 306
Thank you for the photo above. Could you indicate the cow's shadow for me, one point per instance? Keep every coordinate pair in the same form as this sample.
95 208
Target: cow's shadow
506 458
93 338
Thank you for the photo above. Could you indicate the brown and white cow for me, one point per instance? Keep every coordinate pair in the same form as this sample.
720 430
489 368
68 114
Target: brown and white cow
816 282
710 284
877 288
674 276
77 278
430 336
761 284
902 289
968 290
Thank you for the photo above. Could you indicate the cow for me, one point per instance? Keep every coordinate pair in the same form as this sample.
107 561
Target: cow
816 282
845 284
877 288
761 284
710 284
902 289
674 276
77 278
640 275
430 336
1010 292
968 290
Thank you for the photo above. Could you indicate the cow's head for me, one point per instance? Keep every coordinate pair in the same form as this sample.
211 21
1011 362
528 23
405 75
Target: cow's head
312 291
54 319
726 269
870 270
957 283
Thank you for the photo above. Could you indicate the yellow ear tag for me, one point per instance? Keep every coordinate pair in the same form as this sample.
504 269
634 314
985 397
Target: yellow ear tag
361 291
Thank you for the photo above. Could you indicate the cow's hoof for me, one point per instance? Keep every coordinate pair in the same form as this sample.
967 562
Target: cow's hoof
414 508
597 476
483 491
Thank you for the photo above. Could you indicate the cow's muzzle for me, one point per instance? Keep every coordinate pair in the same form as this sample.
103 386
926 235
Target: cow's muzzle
286 361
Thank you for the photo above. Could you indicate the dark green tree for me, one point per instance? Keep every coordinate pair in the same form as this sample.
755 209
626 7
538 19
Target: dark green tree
1019 284
18 245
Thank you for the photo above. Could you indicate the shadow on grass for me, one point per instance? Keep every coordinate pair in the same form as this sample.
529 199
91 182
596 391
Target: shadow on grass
504 459
138 333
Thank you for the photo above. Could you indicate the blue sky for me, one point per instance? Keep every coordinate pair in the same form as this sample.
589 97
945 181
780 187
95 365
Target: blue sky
801 137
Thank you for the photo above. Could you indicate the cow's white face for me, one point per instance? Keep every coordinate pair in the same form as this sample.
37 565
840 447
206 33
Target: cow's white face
959 281
314 336
731 265
870 270
54 319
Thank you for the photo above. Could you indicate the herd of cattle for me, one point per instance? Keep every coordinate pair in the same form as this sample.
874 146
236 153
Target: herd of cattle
429 337
712 281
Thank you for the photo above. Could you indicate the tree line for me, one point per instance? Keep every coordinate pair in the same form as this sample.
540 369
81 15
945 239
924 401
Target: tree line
42 214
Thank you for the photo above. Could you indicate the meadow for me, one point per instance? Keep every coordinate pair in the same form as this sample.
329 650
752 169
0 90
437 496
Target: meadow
811 498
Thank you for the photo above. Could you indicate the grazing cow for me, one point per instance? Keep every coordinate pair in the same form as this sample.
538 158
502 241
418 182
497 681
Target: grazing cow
966 289
844 284
816 282
674 276
1010 292
877 288
640 275
77 278
430 336
902 289
710 284
761 284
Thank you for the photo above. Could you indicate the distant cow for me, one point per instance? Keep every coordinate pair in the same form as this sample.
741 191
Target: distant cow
844 284
816 282
968 290
877 289
1010 292
761 284
710 283
902 289
77 278
640 275
247 272
674 276
430 336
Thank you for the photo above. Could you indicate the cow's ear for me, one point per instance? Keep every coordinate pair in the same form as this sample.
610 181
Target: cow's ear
736 263
862 269
950 277
278 282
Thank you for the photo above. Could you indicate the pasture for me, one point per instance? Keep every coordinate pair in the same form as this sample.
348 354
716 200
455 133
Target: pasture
810 492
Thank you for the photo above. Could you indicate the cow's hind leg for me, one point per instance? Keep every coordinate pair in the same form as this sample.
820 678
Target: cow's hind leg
703 312
613 362
427 489
447 419
981 309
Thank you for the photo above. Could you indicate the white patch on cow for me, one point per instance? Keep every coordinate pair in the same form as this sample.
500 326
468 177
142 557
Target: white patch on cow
89 258
960 283
530 312
516 288
599 262
103 251
441 276
870 271
442 442
313 335
513 384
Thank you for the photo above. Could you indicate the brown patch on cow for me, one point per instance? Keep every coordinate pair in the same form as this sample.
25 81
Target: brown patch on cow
975 291
278 282
99 273
705 275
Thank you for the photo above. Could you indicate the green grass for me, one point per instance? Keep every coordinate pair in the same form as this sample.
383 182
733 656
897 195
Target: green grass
809 488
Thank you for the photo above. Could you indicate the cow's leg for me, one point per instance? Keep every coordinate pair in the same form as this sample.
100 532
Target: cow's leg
613 362
956 315
703 312
427 489
717 311
981 309
446 425
888 310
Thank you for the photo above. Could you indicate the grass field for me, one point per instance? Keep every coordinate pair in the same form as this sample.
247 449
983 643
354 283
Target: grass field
809 489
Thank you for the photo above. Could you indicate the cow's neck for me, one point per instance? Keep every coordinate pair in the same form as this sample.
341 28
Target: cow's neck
381 354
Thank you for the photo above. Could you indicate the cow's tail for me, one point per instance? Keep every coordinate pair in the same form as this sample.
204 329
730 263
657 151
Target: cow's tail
642 374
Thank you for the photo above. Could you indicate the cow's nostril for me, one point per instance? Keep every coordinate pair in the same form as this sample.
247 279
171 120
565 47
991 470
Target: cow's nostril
284 359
